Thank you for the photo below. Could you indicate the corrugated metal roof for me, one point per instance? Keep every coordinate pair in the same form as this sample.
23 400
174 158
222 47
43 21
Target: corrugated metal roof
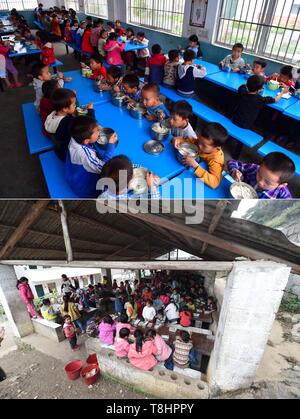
96 236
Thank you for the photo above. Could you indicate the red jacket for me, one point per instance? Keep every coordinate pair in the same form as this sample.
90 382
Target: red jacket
86 44
98 73
157 59
46 108
3 50
48 56
26 293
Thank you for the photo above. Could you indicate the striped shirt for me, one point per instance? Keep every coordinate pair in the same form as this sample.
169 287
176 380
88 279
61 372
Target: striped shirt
181 353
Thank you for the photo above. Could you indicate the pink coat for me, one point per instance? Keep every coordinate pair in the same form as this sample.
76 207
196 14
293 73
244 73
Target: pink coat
122 347
165 299
26 293
114 49
144 360
106 333
121 325
163 350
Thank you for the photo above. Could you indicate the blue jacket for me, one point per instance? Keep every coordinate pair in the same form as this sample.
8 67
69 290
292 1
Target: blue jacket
83 168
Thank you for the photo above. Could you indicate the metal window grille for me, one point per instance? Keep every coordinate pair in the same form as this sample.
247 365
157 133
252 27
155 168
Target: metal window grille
269 28
72 4
165 15
97 7
18 4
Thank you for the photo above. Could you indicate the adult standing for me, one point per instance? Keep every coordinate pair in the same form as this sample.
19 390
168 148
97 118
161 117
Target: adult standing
66 286
27 296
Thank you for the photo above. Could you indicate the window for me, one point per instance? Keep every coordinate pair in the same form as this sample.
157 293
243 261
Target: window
52 287
72 4
39 291
166 15
97 7
18 4
270 28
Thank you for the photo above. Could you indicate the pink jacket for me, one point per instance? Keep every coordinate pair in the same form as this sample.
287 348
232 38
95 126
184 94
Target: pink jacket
121 325
106 333
122 347
144 360
26 293
114 49
165 299
163 350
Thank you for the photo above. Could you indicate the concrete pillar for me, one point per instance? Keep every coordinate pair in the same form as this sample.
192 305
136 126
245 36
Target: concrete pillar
15 309
252 298
109 277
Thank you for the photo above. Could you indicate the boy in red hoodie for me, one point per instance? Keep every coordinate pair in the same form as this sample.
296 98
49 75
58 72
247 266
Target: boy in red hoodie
46 106
99 71
155 65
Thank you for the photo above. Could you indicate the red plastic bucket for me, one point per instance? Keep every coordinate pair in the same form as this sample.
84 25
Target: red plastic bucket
92 360
73 369
90 380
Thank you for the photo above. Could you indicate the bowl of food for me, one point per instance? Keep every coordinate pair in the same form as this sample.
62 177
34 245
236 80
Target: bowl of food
154 147
118 99
86 71
138 182
82 110
137 111
160 132
241 190
188 150
273 85
105 135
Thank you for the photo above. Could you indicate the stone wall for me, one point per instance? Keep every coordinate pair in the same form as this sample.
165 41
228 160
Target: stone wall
292 232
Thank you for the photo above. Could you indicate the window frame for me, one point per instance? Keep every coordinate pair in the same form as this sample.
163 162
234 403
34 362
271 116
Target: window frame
265 26
155 28
13 6
96 15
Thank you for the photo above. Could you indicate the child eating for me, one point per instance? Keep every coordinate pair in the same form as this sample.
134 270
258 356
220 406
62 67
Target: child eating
131 88
194 45
40 74
46 106
107 329
270 179
181 114
170 68
122 344
250 102
209 143
285 76
114 79
234 61
142 353
187 73
83 167
99 71
156 110
118 174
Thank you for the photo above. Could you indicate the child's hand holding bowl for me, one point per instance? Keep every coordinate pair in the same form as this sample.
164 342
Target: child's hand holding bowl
190 161
237 175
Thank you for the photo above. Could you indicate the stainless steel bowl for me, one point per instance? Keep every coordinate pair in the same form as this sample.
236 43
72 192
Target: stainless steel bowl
241 190
118 100
188 150
154 147
105 135
160 132
137 112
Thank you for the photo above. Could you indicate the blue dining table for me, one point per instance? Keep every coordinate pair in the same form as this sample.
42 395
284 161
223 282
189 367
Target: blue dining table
85 89
210 68
293 111
130 46
233 81
187 186
132 134
24 51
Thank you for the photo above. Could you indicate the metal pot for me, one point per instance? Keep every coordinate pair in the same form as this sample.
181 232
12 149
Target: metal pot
81 110
160 132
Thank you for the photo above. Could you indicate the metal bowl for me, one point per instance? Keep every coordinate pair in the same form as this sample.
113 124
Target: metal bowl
137 112
105 135
81 110
160 132
241 190
118 99
138 182
86 72
154 147
188 150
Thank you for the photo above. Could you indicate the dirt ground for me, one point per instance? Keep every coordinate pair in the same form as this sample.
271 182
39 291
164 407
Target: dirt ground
33 375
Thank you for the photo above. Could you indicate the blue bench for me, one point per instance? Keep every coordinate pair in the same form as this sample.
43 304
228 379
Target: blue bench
37 141
244 136
56 64
270 147
54 173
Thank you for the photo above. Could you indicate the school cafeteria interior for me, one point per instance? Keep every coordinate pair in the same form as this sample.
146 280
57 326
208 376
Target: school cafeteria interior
230 41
